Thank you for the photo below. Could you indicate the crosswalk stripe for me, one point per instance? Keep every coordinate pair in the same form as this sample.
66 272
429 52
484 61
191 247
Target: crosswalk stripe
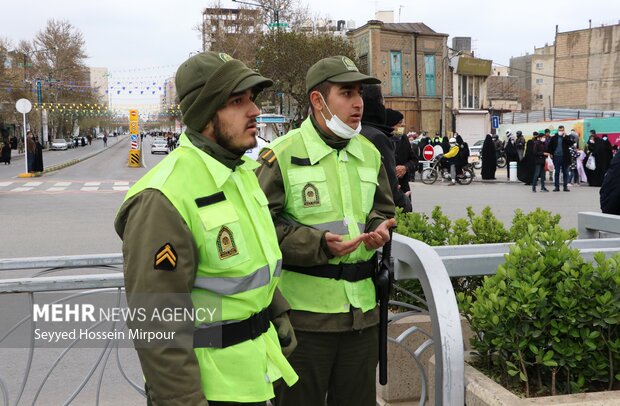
60 186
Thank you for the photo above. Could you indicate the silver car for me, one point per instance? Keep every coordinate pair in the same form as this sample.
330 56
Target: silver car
59 144
159 145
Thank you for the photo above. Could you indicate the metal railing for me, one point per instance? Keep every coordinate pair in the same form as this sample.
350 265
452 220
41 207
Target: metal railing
555 113
432 266
596 225
413 259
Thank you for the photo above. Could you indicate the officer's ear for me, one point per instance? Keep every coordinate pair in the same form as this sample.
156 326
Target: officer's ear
209 130
316 101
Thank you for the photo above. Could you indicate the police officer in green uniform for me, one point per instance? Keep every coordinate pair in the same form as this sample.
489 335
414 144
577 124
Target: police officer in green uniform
331 202
197 225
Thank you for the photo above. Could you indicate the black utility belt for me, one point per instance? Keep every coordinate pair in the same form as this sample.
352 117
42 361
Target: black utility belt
226 335
348 272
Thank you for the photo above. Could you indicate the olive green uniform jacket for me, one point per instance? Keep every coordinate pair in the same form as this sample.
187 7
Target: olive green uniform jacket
302 245
146 222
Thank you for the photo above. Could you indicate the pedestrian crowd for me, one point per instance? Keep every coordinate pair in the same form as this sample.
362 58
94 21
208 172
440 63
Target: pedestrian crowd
561 158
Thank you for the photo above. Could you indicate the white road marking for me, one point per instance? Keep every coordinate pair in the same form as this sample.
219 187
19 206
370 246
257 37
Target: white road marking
33 184
56 189
2 184
120 187
90 188
21 189
92 183
62 184
121 183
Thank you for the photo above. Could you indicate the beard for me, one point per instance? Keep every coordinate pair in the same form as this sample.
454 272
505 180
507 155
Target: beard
228 141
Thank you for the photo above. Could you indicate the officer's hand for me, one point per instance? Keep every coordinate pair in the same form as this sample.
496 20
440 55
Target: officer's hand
286 334
340 248
380 236
401 170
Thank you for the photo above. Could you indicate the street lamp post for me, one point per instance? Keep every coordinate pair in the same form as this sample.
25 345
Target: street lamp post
442 121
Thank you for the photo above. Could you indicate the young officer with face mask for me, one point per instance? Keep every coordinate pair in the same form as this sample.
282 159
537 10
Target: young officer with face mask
331 202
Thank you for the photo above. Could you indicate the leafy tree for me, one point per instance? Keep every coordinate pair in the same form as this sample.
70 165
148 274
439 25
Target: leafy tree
286 57
11 86
60 63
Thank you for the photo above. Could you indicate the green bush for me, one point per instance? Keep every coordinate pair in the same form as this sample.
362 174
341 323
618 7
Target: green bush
474 229
547 320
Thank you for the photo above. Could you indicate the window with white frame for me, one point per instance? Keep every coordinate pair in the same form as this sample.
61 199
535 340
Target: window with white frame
469 92
539 65
539 97
539 81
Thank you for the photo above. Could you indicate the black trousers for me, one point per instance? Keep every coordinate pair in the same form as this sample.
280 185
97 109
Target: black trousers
335 369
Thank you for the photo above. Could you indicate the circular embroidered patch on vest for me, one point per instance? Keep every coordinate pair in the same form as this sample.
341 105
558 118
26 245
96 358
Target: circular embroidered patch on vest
226 246
310 195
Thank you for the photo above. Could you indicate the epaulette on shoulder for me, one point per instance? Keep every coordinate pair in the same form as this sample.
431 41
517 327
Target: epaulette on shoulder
268 157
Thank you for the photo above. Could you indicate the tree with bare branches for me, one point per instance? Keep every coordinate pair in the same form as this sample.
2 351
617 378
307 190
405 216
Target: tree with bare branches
286 57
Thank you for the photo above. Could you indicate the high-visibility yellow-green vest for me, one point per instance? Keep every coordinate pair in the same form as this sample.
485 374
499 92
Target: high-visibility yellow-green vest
239 262
332 191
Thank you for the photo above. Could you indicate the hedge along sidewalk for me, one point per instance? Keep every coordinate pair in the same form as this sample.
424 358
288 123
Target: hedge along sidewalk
56 167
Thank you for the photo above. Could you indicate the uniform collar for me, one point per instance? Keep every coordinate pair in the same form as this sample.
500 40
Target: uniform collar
317 148
217 169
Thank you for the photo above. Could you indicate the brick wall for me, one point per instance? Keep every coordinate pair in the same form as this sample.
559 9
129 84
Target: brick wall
571 69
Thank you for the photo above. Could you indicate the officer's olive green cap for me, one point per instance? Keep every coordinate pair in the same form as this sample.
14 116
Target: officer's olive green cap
205 81
336 69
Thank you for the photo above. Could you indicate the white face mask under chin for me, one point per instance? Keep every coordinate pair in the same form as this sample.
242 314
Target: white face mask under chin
338 127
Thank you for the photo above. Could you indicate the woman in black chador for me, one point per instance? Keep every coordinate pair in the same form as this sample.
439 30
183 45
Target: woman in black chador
489 161
525 167
38 156
596 148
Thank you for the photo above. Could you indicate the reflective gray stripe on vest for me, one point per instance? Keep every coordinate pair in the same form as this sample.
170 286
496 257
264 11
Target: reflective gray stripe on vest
337 227
234 285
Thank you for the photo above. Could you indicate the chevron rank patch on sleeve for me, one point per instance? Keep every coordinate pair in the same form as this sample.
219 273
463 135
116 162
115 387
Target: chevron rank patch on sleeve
166 258
268 157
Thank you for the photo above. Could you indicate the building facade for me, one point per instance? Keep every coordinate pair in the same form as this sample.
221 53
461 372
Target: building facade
535 77
225 24
470 114
408 59
99 84
587 69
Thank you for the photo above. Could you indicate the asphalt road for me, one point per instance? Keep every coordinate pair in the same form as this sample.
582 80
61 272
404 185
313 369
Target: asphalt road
70 211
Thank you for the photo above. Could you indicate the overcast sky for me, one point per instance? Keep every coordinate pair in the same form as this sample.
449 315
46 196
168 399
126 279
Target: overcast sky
148 39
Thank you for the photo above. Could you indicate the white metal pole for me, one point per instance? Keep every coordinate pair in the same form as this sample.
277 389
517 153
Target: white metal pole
25 143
